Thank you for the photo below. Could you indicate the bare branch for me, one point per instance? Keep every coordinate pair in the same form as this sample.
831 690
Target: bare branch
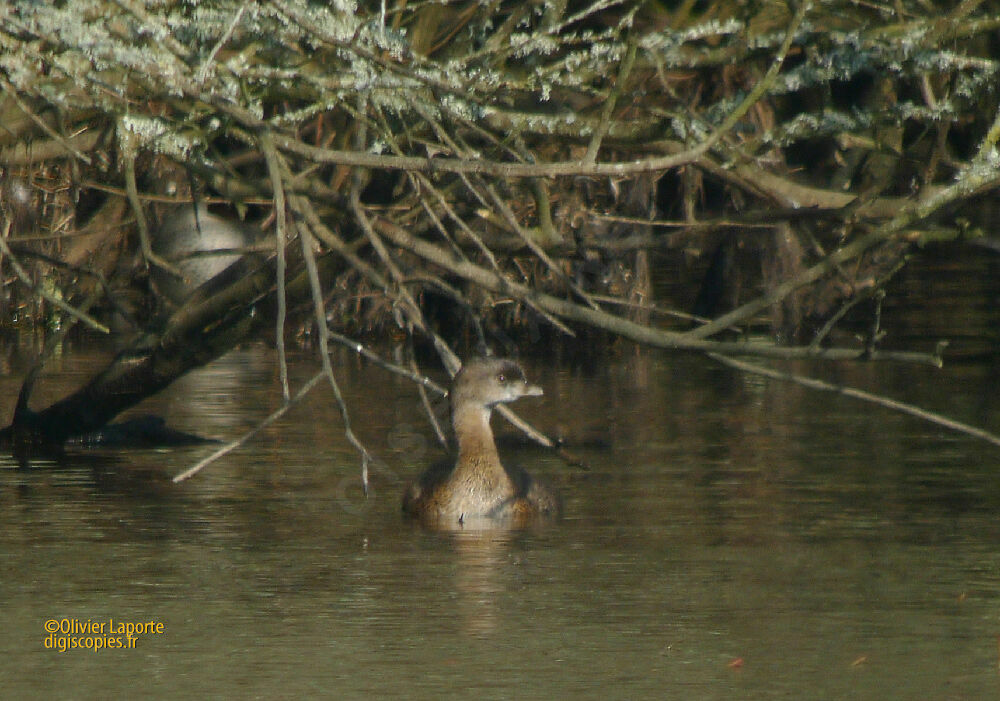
893 404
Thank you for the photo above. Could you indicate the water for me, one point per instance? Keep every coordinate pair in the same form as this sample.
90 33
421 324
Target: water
734 537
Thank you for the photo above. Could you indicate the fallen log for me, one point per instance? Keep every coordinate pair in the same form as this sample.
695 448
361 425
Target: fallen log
221 314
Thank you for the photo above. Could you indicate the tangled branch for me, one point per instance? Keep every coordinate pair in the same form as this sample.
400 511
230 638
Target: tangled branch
497 165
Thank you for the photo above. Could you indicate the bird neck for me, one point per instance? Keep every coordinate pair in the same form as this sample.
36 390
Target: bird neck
476 447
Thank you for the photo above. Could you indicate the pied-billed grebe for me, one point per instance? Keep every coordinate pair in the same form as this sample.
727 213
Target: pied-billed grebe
478 490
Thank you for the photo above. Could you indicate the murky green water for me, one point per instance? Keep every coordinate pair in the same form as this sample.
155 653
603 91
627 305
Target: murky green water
735 537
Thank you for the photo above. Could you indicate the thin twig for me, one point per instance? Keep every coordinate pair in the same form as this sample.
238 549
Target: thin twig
509 215
893 404
324 347
25 279
476 239
417 378
426 402
202 73
12 93
608 109
274 416
132 191
764 84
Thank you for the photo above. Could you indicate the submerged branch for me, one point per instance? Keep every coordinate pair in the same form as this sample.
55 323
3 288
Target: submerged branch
234 444
893 404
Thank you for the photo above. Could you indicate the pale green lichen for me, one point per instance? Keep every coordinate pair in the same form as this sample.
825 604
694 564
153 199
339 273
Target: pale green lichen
293 61
142 132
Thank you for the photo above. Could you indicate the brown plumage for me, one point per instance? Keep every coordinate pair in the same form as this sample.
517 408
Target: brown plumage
477 490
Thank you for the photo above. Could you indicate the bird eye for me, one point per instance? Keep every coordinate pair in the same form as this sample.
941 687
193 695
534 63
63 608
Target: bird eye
501 378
